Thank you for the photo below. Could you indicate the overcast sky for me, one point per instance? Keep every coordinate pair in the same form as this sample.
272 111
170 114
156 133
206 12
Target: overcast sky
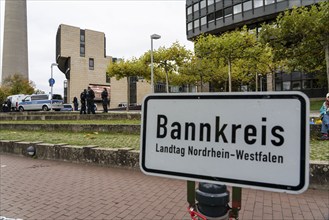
127 26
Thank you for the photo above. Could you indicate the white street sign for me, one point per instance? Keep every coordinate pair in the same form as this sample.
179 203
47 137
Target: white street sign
255 140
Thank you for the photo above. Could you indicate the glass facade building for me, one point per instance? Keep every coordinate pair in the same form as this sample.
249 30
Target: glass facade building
218 16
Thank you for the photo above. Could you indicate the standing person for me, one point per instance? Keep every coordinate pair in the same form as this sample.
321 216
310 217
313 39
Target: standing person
75 104
83 97
105 100
90 100
9 105
324 114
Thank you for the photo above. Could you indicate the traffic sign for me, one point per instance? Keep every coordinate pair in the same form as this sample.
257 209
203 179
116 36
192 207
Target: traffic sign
255 140
51 81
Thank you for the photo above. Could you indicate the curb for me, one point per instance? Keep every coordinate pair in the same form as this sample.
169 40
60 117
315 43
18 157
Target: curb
123 157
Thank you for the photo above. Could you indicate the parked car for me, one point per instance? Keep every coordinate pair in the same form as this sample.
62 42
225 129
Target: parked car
67 108
122 104
42 102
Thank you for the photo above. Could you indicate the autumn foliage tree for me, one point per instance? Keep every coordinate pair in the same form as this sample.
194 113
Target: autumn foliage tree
15 84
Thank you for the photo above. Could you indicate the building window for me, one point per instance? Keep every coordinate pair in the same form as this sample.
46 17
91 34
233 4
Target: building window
258 3
91 63
202 4
196 7
189 10
82 36
196 23
210 2
210 17
237 9
219 14
228 11
82 50
247 6
82 43
190 26
108 79
307 84
286 86
203 20
268 2
296 85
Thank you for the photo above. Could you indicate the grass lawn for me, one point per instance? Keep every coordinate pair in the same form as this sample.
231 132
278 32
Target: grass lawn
319 149
316 105
100 122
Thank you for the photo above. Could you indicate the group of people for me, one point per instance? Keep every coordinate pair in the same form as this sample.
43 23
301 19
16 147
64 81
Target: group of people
87 98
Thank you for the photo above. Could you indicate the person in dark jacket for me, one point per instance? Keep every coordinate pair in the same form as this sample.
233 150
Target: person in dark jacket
90 100
75 103
83 97
105 100
9 105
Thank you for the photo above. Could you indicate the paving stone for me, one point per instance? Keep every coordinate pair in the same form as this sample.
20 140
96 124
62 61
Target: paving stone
39 189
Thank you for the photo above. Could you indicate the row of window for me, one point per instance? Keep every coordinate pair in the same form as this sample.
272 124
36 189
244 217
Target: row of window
83 51
297 85
204 3
228 11
82 43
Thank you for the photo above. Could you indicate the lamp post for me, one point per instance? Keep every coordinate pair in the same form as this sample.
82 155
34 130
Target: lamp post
51 82
153 37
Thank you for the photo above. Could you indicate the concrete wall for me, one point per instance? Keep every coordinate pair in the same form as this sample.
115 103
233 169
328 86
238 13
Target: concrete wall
15 44
125 157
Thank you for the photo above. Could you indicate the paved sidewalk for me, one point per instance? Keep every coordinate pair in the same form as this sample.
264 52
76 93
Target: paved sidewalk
37 189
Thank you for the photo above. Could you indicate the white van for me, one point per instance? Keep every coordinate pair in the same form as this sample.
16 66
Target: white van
41 102
15 100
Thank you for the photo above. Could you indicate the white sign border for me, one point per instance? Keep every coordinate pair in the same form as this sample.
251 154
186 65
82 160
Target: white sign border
304 140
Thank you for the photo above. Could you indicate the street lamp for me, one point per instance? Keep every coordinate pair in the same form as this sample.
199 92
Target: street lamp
51 83
153 37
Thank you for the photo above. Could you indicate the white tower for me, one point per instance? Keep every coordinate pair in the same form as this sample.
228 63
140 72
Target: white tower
15 52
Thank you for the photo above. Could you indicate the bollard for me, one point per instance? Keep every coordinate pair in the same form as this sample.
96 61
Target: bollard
213 201
31 151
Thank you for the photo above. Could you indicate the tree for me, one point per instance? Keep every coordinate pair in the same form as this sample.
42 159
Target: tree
38 91
194 72
127 69
3 96
168 61
17 84
299 38
231 48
